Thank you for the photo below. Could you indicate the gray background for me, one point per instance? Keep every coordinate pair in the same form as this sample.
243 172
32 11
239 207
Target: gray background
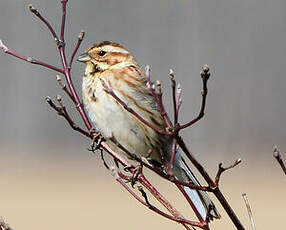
49 176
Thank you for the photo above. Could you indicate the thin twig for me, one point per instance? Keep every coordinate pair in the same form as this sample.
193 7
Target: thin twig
64 88
178 99
191 203
278 157
64 12
36 13
29 59
157 98
63 112
249 211
205 77
173 86
173 155
221 169
79 40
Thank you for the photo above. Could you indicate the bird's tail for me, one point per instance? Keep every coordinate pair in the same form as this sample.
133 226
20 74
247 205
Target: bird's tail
200 199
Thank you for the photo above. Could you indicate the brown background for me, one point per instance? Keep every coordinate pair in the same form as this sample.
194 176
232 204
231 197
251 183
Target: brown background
48 178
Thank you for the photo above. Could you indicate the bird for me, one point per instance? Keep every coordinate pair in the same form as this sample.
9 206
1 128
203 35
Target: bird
109 64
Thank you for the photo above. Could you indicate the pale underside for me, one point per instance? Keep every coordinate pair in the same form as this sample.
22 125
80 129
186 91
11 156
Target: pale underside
113 120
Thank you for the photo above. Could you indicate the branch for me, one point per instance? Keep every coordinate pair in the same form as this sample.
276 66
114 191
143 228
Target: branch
221 169
277 156
29 59
249 211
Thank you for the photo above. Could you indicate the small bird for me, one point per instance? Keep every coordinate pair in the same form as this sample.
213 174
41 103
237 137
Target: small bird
110 64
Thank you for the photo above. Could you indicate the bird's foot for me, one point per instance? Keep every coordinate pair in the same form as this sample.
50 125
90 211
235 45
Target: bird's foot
96 142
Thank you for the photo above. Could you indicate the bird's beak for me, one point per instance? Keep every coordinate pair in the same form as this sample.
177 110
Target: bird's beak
84 57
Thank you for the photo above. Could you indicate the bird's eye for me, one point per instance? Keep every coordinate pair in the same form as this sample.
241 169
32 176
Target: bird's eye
101 53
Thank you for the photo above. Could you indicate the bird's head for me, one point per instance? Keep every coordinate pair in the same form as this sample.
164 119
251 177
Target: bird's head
104 55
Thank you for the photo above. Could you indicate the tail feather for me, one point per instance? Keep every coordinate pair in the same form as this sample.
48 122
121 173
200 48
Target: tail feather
200 199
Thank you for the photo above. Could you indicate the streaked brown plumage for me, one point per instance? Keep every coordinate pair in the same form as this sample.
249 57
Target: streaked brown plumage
112 63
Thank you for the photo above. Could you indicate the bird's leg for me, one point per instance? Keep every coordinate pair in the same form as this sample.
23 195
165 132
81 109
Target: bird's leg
96 142
136 171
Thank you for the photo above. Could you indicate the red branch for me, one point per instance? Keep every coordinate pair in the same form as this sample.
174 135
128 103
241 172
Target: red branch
29 59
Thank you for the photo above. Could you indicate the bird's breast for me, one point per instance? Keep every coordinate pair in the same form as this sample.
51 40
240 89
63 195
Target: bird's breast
113 120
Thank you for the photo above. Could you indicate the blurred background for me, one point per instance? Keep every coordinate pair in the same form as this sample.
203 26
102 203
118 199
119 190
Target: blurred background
49 179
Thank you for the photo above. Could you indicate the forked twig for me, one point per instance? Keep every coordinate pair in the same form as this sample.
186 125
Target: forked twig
221 169
61 110
205 75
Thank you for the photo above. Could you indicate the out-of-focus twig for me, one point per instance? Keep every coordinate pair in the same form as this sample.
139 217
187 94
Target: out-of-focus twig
4 225
249 211
278 157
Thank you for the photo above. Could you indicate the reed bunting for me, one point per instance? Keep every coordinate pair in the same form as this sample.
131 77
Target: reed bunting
111 63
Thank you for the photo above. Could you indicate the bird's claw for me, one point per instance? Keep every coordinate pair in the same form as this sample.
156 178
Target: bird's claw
135 174
96 142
